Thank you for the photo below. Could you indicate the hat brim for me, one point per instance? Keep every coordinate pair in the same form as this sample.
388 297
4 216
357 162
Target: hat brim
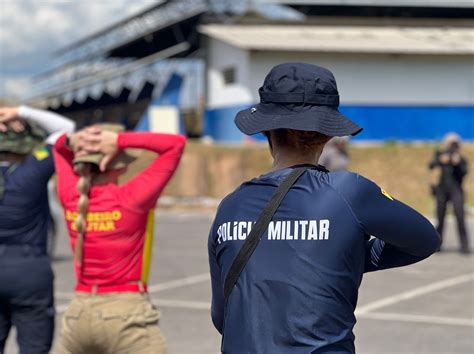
121 160
323 119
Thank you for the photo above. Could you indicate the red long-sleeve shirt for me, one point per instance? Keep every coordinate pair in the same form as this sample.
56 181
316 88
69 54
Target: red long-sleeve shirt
117 215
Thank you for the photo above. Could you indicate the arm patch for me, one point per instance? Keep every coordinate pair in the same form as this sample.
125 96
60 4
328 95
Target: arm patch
386 194
41 153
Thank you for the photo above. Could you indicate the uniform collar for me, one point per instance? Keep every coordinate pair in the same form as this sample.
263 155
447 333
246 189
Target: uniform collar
276 175
309 165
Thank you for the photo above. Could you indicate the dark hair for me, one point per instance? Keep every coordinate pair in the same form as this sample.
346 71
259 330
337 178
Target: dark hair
299 139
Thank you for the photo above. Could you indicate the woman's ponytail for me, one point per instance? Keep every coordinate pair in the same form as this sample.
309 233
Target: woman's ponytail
83 186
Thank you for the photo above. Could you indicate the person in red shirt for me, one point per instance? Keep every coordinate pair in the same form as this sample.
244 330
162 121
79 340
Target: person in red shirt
110 228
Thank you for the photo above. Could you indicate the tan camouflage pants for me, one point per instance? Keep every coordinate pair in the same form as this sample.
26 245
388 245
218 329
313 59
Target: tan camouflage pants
115 323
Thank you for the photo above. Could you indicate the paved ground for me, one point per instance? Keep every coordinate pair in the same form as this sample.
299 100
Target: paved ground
425 308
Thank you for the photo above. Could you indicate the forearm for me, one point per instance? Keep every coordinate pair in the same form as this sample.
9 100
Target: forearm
462 167
63 161
159 143
49 121
380 255
404 229
400 230
148 185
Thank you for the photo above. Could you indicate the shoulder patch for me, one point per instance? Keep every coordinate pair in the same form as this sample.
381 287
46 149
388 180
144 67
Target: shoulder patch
386 194
41 153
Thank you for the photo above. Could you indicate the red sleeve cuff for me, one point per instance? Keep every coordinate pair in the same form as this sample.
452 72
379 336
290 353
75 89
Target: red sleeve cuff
60 144
121 141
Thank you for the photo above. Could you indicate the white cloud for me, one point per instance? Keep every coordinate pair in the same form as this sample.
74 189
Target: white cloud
31 30
15 87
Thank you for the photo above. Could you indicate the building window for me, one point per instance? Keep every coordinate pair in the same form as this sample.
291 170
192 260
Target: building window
229 75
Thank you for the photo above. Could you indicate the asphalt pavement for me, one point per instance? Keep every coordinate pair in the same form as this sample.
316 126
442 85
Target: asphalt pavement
424 308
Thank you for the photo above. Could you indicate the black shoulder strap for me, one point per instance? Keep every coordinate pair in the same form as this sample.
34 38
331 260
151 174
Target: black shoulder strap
258 229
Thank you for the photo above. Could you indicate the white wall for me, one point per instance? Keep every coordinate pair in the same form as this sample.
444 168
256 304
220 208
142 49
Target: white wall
363 79
383 79
222 56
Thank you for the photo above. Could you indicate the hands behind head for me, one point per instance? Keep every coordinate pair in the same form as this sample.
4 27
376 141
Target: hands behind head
93 140
9 118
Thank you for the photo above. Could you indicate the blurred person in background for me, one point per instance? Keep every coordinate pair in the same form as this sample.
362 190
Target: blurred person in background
335 155
26 277
298 291
111 229
452 167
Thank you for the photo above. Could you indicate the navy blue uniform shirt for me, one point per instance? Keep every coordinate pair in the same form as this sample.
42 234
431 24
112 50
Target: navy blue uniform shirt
299 289
24 210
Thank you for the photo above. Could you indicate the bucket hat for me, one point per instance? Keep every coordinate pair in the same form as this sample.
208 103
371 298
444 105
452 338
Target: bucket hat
121 160
297 96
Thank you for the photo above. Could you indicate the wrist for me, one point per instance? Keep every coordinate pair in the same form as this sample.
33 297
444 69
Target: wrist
121 143
70 140
22 112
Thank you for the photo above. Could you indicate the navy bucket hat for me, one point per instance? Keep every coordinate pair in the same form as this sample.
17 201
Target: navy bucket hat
297 96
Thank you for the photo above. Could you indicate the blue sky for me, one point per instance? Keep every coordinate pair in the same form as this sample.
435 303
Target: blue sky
31 30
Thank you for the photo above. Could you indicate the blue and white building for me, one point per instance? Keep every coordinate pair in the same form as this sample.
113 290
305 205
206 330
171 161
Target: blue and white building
405 82
405 69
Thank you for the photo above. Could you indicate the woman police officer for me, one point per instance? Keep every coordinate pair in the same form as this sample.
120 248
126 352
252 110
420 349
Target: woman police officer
297 292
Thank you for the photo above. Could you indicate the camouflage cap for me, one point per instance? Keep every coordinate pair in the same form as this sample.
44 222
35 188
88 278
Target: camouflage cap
23 142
